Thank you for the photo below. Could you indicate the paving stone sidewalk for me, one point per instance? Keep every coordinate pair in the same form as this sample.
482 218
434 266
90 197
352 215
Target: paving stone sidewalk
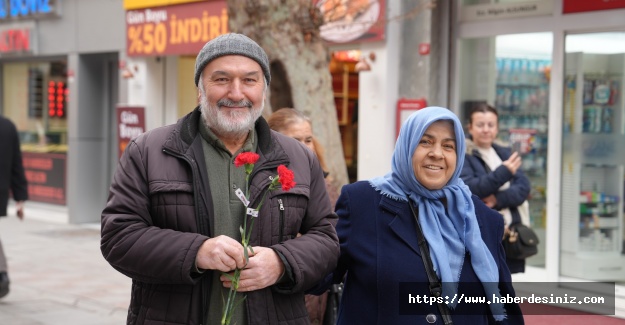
58 275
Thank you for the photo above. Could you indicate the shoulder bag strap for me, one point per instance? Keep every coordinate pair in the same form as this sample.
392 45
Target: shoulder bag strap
435 284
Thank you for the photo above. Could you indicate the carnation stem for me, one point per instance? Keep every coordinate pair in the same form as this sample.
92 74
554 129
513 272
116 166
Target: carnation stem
228 309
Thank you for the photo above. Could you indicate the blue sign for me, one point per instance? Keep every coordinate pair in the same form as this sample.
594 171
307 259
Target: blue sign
26 8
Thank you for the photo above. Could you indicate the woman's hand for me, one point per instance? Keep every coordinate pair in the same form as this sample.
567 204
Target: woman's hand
490 201
513 163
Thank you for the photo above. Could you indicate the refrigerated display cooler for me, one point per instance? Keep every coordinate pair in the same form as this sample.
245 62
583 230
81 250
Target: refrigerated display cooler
593 166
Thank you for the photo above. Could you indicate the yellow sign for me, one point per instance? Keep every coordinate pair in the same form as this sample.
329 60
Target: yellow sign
174 30
138 4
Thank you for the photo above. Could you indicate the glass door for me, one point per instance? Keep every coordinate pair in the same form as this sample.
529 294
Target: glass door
511 73
593 158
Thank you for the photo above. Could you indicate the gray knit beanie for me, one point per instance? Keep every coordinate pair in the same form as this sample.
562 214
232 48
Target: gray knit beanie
231 44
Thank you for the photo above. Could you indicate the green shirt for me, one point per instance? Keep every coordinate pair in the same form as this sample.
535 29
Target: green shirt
228 212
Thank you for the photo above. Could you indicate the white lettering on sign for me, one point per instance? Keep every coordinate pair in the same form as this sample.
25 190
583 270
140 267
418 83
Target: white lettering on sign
155 16
129 118
135 17
129 132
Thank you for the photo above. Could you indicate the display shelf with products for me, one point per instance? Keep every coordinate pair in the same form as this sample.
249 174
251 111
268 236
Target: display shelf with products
522 94
592 173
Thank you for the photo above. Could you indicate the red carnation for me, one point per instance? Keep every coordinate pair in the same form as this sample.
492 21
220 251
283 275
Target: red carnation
246 158
285 177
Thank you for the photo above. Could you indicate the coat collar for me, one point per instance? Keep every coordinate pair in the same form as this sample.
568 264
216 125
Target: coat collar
186 130
402 222
472 147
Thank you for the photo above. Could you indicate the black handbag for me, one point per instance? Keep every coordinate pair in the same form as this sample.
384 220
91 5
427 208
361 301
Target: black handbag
521 242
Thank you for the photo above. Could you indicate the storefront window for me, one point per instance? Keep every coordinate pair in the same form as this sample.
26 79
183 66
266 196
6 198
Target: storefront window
593 157
511 73
35 99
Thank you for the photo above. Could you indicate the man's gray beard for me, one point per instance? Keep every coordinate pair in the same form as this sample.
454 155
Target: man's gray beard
218 122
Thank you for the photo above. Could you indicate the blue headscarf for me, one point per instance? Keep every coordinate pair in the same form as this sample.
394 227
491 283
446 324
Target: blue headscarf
450 232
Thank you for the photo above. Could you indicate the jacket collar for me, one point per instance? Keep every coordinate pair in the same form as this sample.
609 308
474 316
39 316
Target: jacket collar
186 130
472 147
402 223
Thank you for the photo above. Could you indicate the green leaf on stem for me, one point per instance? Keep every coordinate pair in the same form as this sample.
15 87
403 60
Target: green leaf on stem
229 276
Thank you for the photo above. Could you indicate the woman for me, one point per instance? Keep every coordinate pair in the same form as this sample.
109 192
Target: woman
380 252
493 173
298 126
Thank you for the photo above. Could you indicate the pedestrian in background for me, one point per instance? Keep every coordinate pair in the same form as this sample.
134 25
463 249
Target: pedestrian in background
295 124
493 173
322 309
12 180
173 216
420 224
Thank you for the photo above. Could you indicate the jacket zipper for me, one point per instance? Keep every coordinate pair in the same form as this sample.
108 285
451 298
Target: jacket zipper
199 221
281 231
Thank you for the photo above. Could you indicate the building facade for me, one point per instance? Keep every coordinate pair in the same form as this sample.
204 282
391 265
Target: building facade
554 69
58 60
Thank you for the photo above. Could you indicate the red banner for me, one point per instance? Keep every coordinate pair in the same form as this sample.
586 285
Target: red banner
573 6
174 30
46 174
130 124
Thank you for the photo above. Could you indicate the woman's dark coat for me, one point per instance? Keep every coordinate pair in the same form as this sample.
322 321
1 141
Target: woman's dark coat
12 178
380 253
159 213
482 182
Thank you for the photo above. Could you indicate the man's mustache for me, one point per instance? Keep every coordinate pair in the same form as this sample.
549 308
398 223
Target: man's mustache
229 103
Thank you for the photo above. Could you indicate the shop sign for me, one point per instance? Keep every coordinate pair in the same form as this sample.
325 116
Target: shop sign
16 41
354 21
407 106
506 10
130 124
176 30
46 174
573 6
139 4
14 9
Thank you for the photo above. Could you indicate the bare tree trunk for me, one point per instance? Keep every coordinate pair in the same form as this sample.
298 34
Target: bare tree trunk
288 30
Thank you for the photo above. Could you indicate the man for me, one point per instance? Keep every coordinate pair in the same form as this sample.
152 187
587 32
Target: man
172 219
12 179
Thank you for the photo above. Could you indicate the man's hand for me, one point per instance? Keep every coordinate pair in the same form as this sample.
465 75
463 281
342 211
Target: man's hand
221 253
263 270
513 163
19 209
